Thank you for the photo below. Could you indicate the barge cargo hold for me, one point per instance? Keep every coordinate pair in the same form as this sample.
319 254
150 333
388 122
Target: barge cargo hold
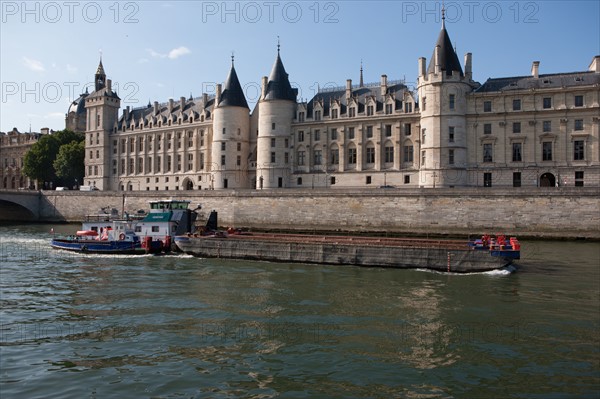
442 255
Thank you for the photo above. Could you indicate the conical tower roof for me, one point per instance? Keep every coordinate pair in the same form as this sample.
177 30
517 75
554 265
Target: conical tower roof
233 95
278 86
448 59
100 70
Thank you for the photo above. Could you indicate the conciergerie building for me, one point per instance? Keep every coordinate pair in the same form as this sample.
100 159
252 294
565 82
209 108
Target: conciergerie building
520 131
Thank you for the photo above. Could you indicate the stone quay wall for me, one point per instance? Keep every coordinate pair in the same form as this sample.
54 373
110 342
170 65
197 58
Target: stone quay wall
536 212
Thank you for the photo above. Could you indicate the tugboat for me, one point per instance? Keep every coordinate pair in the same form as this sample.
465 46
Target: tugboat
119 238
142 233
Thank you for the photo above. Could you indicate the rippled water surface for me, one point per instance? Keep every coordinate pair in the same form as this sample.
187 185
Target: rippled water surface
77 326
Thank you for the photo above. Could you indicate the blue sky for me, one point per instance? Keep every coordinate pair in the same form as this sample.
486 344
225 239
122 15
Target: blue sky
154 50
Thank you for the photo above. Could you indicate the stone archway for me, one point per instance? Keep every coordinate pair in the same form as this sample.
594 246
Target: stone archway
547 180
188 184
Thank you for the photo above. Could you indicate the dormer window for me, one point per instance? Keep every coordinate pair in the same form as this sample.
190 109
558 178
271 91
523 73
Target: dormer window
369 110
351 112
334 113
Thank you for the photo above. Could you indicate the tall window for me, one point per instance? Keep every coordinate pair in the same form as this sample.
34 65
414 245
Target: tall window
388 130
451 134
516 105
579 101
317 115
318 157
223 145
408 153
301 157
451 101
300 116
334 113
389 154
273 157
423 158
334 156
487 128
407 107
351 156
273 143
334 134
424 104
370 155
578 154
487 153
222 160
351 112
407 129
487 106
578 124
487 179
517 152
301 136
317 135
423 135
451 157
579 179
547 151
388 109
369 132
369 110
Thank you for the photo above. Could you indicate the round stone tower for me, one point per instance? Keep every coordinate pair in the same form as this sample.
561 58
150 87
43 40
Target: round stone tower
443 89
276 109
231 135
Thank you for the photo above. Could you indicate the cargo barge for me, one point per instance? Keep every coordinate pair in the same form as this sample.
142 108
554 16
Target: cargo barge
467 256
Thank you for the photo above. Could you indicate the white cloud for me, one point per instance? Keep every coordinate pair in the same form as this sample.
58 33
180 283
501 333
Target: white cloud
178 52
34 65
173 54
71 69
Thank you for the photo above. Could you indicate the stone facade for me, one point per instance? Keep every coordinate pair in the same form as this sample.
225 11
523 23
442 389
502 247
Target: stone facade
524 131
567 212
13 147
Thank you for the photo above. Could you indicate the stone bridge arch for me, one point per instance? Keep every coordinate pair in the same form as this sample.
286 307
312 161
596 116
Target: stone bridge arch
19 206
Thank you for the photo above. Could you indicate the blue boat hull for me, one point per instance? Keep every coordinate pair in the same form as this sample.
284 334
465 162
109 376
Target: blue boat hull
99 247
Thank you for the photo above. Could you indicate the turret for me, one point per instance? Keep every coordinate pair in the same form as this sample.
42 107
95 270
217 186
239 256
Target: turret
275 115
442 141
231 135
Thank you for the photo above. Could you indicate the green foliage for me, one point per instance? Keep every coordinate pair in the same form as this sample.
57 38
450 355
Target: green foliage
69 163
39 160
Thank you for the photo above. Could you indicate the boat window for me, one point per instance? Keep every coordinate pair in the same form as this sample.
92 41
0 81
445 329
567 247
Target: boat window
155 229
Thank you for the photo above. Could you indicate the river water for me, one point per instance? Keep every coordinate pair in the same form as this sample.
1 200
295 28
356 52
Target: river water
91 326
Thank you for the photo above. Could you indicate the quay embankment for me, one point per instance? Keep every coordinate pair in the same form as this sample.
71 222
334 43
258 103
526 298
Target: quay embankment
566 212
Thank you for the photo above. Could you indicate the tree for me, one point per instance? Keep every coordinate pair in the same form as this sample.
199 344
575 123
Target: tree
69 163
39 160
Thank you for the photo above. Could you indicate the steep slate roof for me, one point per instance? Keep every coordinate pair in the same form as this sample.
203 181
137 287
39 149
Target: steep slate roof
193 107
448 59
233 95
278 86
360 94
100 70
555 80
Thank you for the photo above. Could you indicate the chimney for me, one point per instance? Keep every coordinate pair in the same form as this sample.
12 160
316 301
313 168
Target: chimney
535 69
126 113
182 103
265 82
383 85
437 60
218 94
170 105
595 64
348 89
155 107
422 66
204 99
109 85
469 66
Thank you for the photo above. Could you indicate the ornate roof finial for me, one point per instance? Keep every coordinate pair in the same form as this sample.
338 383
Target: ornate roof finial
443 15
278 45
232 57
361 74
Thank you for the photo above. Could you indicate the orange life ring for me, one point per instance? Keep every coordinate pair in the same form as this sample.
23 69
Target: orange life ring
122 236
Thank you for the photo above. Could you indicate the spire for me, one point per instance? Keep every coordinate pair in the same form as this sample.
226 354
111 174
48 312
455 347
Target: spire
361 84
100 77
443 16
448 60
232 95
278 85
